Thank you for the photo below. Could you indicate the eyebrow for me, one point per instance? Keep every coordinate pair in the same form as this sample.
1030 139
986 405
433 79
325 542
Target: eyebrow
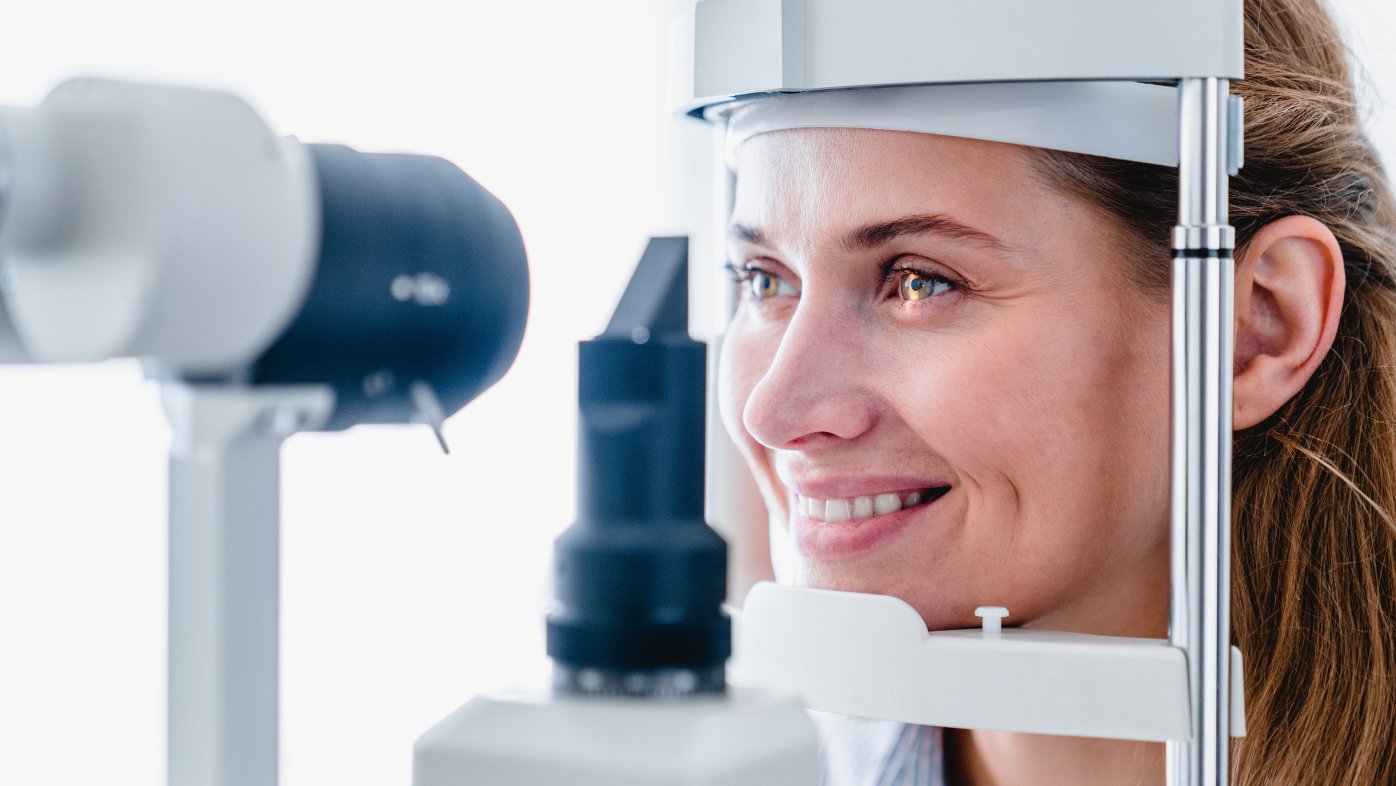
879 233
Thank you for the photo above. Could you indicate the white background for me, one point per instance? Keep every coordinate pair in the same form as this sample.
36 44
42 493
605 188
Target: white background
410 580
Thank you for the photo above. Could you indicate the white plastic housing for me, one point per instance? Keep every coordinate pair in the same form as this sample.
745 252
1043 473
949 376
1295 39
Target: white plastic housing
747 738
156 222
737 47
870 655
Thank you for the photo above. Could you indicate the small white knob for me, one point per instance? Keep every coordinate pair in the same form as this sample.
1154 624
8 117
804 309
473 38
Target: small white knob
993 618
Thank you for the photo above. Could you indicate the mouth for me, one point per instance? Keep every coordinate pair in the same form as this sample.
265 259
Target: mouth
837 530
837 511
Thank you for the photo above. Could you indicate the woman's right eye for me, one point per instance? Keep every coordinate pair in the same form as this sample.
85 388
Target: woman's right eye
762 284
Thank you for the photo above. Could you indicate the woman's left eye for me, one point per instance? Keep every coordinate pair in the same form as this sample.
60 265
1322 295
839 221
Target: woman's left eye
913 285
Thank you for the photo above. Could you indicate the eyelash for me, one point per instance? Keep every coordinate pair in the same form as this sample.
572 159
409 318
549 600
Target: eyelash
740 275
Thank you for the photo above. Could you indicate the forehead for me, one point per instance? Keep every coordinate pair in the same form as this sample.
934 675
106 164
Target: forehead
815 183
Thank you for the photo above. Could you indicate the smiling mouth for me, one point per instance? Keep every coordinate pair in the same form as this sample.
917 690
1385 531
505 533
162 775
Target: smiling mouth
836 511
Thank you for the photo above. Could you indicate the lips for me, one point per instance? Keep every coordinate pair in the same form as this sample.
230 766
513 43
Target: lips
843 518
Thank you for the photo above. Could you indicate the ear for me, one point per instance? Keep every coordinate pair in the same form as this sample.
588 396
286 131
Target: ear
1289 293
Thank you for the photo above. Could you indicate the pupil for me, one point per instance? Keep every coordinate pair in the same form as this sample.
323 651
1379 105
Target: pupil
916 284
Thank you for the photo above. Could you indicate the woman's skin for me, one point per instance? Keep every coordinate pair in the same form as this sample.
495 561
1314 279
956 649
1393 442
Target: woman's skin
924 314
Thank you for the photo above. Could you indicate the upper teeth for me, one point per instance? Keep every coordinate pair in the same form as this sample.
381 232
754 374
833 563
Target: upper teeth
836 510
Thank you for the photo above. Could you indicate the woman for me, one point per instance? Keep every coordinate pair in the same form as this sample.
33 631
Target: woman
949 376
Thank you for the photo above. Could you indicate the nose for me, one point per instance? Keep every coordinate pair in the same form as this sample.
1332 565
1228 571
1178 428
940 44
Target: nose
815 392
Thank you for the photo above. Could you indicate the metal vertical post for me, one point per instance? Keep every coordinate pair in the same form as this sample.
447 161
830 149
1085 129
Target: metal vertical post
1203 274
224 560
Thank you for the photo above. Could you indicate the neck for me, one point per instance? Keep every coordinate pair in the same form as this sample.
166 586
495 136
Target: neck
997 758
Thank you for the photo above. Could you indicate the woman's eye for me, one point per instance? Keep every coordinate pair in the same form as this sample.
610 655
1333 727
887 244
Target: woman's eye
764 285
915 286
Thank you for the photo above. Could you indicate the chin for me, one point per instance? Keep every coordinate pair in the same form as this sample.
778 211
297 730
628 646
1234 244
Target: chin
936 610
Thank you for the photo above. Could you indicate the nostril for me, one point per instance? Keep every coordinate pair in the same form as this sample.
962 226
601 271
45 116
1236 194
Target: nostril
809 440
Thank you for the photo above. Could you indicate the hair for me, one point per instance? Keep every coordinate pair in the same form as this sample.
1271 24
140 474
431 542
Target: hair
1314 486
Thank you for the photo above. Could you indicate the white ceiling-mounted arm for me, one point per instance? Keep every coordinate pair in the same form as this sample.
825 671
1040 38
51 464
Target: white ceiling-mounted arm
744 47
1069 74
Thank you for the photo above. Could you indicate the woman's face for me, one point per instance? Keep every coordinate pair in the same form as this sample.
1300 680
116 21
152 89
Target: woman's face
945 384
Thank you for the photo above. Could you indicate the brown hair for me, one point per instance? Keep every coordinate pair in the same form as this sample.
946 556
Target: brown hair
1313 534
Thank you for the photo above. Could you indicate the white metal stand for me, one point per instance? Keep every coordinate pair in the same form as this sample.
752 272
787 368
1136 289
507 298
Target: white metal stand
224 559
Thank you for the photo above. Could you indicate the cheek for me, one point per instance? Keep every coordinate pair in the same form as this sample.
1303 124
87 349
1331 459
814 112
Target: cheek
746 354
1027 408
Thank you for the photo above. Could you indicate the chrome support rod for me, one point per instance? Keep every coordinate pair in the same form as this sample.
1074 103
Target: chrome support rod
1200 612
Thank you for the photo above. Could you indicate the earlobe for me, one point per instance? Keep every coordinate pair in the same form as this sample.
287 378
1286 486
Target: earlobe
1289 294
